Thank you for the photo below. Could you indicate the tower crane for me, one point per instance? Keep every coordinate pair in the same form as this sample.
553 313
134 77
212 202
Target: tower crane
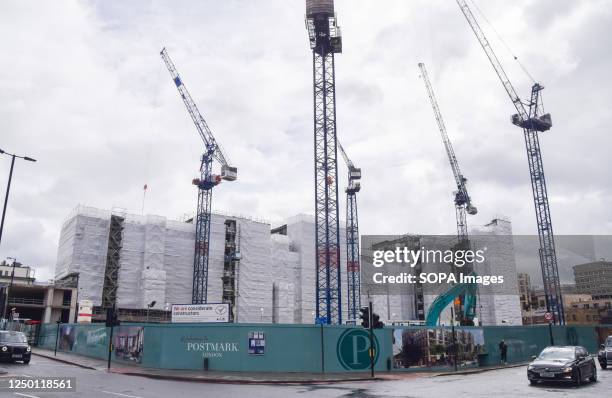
463 206
325 41
463 203
205 184
352 237
532 120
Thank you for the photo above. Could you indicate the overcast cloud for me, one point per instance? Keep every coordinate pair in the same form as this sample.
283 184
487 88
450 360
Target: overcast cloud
84 91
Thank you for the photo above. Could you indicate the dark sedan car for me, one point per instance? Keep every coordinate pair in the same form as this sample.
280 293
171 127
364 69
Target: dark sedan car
605 353
14 347
568 364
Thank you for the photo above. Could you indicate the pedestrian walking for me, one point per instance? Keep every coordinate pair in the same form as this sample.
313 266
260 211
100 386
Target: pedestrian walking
503 349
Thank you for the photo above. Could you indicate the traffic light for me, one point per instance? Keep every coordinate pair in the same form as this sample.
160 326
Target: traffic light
376 322
364 315
111 318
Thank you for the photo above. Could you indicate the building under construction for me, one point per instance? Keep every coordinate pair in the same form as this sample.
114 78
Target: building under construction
266 274
129 261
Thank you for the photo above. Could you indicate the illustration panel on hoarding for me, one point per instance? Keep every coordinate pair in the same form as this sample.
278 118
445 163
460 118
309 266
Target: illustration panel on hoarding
128 343
424 348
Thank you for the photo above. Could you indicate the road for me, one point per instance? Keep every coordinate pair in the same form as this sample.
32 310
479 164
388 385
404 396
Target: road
511 382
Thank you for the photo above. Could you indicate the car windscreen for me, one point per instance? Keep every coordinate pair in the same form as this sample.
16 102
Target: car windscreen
609 341
13 338
558 354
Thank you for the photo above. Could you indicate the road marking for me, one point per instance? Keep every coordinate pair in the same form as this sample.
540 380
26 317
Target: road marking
26 395
122 395
27 376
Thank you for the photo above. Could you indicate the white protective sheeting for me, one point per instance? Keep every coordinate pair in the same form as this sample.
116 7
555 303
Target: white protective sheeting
255 274
82 248
275 278
499 309
285 268
178 261
301 233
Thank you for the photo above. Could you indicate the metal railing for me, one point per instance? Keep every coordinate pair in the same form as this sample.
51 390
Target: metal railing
19 300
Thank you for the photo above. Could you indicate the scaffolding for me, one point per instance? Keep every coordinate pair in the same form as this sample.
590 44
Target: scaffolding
231 260
111 272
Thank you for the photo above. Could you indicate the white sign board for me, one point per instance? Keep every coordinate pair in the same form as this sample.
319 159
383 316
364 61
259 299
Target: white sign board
194 313
85 311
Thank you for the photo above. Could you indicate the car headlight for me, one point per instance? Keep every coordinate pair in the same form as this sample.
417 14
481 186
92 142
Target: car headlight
565 370
4 348
530 367
29 349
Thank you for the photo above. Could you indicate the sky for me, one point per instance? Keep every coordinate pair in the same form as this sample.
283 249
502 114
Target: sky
84 91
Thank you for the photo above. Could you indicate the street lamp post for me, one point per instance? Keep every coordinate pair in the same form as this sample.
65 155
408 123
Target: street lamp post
8 187
151 304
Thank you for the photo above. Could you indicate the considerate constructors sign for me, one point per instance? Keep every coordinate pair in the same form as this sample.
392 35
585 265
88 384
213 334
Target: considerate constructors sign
199 313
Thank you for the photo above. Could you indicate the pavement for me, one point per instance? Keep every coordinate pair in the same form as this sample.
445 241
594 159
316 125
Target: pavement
501 383
205 376
248 377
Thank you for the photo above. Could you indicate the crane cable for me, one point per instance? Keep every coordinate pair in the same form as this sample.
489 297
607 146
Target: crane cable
502 41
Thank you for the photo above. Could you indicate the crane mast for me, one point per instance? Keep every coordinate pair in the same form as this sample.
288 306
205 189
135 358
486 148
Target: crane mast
205 183
463 206
352 237
530 119
325 41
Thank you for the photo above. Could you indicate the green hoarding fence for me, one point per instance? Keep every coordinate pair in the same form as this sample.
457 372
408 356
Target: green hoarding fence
311 348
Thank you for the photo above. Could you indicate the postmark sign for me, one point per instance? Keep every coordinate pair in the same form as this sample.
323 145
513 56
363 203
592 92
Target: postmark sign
353 349
200 313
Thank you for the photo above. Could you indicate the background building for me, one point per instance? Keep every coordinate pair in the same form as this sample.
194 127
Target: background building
594 278
491 309
524 285
22 273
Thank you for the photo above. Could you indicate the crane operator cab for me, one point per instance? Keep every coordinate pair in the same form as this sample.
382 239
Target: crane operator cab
229 173
539 123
